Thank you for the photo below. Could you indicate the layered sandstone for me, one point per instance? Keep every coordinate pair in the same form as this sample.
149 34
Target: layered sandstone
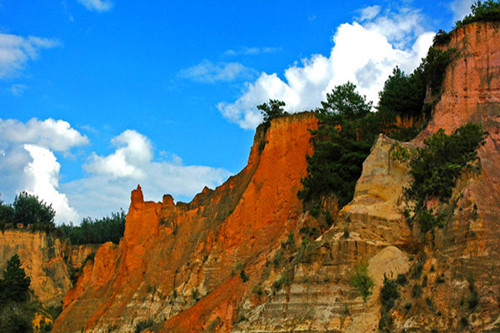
180 264
462 257
45 259
211 265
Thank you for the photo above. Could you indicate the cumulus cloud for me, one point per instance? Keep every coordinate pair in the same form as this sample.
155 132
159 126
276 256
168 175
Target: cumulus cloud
460 8
112 177
209 72
16 51
133 152
43 175
53 134
27 161
97 5
364 53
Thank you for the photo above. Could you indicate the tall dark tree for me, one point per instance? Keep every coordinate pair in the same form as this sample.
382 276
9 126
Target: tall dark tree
341 144
14 283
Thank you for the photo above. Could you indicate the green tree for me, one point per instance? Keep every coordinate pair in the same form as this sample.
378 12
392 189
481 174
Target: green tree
14 284
272 110
28 209
481 11
6 213
341 143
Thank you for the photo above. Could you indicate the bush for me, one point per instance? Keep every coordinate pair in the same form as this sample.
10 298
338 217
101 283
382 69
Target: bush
401 279
437 167
361 281
389 293
243 275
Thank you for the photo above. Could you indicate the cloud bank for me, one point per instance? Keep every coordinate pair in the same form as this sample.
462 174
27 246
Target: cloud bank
364 52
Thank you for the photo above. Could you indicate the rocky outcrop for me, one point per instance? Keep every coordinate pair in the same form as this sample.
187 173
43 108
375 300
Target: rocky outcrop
181 265
456 267
45 259
231 259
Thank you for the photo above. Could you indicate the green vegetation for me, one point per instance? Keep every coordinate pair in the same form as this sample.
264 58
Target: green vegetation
17 311
96 231
388 296
436 169
14 283
441 38
271 111
481 11
341 144
361 281
243 275
27 209
347 128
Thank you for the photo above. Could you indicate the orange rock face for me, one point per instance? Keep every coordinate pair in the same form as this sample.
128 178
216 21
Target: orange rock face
181 264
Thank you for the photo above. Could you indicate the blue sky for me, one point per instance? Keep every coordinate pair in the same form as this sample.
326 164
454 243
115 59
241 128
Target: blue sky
97 96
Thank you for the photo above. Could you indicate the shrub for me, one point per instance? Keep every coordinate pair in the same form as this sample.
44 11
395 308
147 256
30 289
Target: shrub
271 111
361 281
401 279
473 300
389 293
436 168
243 275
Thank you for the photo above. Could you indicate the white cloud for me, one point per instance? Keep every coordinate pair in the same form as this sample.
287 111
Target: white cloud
27 162
15 51
56 135
133 152
208 72
43 175
18 89
251 51
460 8
369 13
363 53
112 177
97 5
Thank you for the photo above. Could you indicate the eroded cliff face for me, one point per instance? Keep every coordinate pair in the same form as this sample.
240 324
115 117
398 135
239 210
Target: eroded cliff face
459 260
228 260
45 259
181 265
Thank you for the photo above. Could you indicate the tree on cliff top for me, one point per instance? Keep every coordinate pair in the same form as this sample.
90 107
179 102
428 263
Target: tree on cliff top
28 209
481 11
272 110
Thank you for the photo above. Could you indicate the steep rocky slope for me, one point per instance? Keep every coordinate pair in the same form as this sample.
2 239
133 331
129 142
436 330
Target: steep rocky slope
184 263
461 259
229 260
46 260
